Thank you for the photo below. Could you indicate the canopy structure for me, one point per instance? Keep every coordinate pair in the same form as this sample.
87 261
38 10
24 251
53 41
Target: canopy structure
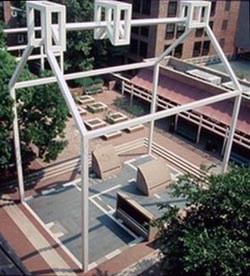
52 42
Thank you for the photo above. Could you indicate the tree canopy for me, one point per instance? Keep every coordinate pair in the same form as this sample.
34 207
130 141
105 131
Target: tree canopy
42 114
211 235
79 55
83 52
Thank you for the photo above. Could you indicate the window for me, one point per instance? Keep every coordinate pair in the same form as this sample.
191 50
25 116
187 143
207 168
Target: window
178 51
172 9
143 50
197 49
211 25
227 5
199 32
206 47
224 24
145 31
146 7
134 46
1 11
213 8
165 48
135 30
137 6
180 30
222 42
142 6
170 28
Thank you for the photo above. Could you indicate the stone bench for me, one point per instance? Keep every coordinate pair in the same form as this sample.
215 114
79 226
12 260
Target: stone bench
134 128
135 216
112 135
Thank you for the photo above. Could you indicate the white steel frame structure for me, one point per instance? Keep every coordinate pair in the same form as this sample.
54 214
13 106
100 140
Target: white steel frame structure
53 42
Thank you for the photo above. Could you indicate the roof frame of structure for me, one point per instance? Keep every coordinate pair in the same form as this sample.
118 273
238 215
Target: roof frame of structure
192 21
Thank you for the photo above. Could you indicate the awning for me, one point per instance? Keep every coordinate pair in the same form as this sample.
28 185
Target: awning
182 93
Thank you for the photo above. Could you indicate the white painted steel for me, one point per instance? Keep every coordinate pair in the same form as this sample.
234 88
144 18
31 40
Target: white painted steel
17 145
84 74
66 93
161 114
156 80
85 202
237 101
84 26
153 107
40 56
191 23
172 46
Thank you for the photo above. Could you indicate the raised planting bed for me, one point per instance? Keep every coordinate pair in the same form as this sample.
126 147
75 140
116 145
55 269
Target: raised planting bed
96 107
116 117
81 111
134 128
95 123
85 99
112 135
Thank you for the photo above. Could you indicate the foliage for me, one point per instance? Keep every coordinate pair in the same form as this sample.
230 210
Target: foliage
2 36
124 103
83 52
84 82
211 237
42 113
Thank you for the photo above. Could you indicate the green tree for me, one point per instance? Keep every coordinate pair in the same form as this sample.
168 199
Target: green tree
42 115
211 235
79 55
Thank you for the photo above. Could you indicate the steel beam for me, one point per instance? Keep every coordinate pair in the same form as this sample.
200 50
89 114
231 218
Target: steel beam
237 101
161 114
16 135
66 93
85 202
84 74
85 26
156 81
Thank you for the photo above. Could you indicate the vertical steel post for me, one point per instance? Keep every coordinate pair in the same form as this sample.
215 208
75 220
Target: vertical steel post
16 135
155 83
153 106
85 203
237 101
42 58
17 148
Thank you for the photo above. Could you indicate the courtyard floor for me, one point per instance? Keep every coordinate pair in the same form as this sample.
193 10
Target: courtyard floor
53 202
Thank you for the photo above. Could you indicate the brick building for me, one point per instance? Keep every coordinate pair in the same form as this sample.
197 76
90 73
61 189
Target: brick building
10 17
242 38
224 16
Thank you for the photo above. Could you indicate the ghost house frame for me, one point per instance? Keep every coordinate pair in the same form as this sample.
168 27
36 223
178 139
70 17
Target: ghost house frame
52 43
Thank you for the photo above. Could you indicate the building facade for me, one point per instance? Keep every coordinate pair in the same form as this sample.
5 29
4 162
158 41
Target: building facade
150 41
10 17
242 39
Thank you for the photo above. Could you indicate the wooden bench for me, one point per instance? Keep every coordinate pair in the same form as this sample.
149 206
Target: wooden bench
135 216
